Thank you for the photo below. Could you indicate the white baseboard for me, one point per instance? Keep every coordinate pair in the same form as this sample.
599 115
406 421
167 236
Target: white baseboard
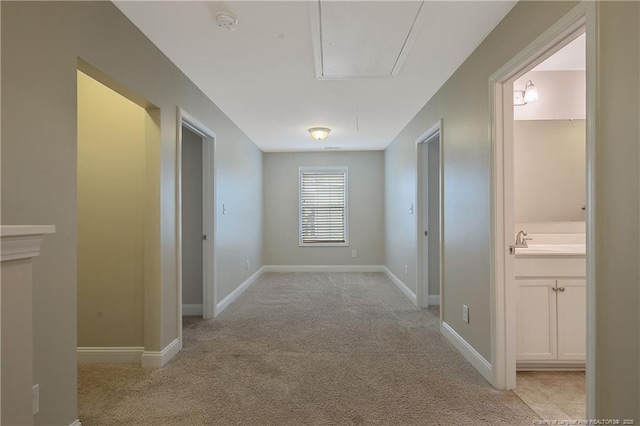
109 355
324 268
157 359
76 423
192 310
433 300
224 303
402 286
482 365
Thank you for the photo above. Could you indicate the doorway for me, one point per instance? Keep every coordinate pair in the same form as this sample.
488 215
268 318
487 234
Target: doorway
429 217
117 206
196 219
192 223
504 290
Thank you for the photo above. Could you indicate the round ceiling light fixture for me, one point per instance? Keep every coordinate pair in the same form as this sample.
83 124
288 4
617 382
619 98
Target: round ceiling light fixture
319 133
227 20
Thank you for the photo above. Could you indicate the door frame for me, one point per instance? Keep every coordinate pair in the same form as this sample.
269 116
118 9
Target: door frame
209 222
434 133
503 316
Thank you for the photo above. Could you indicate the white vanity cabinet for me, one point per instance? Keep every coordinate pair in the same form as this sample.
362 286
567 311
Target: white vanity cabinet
551 312
551 319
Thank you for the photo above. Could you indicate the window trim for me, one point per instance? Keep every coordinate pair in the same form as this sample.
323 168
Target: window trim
327 169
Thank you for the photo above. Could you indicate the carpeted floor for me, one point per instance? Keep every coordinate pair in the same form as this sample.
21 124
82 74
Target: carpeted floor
305 349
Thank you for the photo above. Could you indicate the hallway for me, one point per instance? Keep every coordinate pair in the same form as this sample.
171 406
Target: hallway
300 349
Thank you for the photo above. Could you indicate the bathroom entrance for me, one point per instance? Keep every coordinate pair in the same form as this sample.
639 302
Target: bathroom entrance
542 328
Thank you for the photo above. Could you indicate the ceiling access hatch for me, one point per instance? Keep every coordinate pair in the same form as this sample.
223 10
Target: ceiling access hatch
363 39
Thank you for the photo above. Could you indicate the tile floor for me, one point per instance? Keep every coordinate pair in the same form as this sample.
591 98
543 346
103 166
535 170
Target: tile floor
553 395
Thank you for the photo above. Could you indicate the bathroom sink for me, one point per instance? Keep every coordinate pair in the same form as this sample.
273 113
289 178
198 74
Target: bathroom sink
552 249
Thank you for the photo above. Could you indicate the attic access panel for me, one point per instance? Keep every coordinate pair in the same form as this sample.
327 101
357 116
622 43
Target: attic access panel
358 39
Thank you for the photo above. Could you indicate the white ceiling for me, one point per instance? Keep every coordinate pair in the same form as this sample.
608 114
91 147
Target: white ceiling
263 75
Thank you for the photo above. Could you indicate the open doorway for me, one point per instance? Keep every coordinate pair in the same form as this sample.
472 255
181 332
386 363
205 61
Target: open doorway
195 219
193 236
117 232
429 217
549 188
555 271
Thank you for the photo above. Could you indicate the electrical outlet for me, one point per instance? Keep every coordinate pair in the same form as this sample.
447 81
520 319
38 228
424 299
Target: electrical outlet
354 253
406 270
247 264
35 399
465 313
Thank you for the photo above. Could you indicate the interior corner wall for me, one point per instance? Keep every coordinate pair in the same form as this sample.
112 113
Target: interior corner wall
463 105
366 209
111 176
42 43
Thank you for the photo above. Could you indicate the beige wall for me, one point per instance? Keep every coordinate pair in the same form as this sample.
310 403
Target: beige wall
111 160
41 44
366 209
617 190
549 170
562 96
191 218
463 105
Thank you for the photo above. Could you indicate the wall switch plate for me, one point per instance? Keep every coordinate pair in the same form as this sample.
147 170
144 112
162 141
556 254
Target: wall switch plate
354 253
247 264
465 313
406 270
35 399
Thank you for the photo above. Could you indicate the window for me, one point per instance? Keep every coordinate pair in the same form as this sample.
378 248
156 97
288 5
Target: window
323 206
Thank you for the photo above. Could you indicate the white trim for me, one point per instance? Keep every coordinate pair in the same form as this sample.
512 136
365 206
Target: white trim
224 303
482 365
503 315
402 286
192 309
76 423
209 216
155 359
323 268
422 290
22 242
434 301
110 355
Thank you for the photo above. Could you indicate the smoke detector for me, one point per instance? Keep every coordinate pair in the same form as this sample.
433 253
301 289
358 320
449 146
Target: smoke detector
227 21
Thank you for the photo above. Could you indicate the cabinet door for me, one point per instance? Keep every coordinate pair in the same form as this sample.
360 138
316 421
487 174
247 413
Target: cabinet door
536 320
572 319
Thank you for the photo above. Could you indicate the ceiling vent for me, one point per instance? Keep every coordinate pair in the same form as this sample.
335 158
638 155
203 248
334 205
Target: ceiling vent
358 39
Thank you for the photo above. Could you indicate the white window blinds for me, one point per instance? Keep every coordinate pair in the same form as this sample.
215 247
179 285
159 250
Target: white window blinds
323 206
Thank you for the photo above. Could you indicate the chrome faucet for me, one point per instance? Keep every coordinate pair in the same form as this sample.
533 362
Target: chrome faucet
521 241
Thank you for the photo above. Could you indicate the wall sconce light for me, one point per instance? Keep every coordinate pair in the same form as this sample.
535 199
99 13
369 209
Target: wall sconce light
319 133
529 94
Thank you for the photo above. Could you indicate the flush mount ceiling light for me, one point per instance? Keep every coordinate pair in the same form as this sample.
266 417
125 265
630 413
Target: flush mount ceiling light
227 20
529 94
319 133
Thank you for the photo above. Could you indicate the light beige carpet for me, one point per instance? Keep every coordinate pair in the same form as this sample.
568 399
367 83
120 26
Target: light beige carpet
305 349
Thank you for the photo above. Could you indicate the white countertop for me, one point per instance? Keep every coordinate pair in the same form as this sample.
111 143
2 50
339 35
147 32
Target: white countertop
552 250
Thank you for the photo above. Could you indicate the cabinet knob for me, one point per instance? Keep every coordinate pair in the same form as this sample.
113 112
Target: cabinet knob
554 289
561 288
